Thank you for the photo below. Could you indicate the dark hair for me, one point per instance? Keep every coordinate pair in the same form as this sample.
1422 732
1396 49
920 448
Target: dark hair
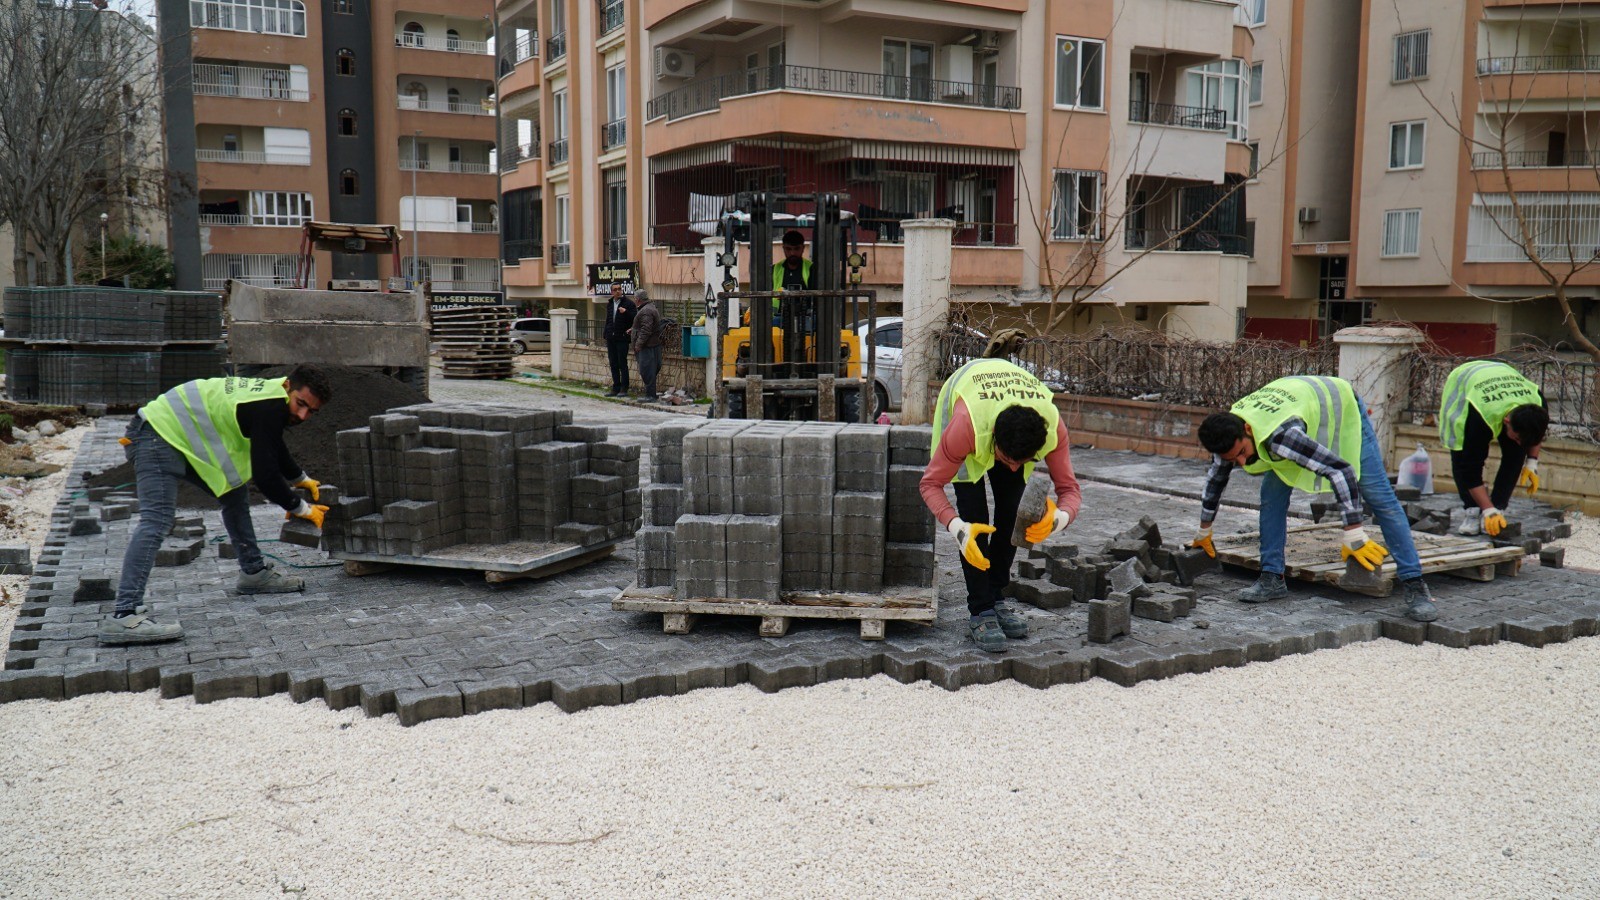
1220 431
1019 432
306 375
792 238
1530 422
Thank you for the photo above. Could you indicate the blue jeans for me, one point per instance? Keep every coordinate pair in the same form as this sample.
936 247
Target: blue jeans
157 466
1375 491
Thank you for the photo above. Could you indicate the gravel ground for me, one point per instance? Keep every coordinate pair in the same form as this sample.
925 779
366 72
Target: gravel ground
27 503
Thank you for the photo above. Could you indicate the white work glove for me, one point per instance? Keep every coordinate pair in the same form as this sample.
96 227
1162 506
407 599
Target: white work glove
966 536
1494 522
1355 545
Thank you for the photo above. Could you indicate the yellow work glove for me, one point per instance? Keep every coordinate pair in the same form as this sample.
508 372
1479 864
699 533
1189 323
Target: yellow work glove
311 512
1530 476
310 484
967 539
1202 539
1369 554
1054 520
1494 522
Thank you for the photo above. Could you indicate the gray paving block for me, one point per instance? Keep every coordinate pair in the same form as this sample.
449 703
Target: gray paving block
577 692
31 684
1192 562
1109 618
94 589
300 531
1553 557
443 701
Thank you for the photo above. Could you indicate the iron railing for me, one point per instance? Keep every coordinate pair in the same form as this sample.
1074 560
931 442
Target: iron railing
555 46
460 107
223 219
1184 241
1514 65
558 152
1537 159
517 153
245 81
1147 113
614 133
616 248
611 15
561 254
446 43
251 157
521 249
708 94
1570 385
453 167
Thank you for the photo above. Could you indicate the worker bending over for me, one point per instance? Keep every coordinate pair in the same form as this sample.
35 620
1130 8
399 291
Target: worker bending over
1486 401
1312 433
994 418
218 433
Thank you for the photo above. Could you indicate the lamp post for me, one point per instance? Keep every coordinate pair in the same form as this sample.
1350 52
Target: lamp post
416 161
103 219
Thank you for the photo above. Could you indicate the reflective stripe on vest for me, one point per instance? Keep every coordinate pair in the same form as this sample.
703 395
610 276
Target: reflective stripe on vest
983 410
206 443
200 420
1332 417
1493 388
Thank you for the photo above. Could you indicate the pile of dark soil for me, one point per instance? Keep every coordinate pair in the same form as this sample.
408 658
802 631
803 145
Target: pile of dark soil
357 396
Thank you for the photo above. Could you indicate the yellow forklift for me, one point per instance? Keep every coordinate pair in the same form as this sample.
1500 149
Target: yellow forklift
770 361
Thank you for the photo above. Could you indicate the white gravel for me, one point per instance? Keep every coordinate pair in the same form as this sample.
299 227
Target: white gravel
28 502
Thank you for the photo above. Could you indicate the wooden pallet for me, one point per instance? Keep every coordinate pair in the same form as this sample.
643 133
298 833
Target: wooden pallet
474 342
1312 554
873 611
499 563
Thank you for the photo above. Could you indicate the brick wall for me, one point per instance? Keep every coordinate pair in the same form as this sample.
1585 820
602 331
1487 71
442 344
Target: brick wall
588 362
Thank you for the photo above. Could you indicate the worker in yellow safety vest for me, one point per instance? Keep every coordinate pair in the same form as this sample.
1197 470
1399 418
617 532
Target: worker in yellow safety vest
1485 402
1309 432
220 434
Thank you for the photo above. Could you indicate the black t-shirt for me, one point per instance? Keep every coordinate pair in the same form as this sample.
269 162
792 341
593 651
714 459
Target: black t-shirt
273 469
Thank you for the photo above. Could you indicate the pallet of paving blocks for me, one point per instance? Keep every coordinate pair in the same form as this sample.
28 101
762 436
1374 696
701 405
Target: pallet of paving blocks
474 342
509 491
1312 554
785 520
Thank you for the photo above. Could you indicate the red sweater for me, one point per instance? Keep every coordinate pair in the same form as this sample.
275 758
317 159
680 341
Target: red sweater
959 441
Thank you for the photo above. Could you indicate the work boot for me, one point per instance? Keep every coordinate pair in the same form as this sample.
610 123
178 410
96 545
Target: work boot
986 632
269 581
1419 602
136 629
1269 586
1472 525
1013 623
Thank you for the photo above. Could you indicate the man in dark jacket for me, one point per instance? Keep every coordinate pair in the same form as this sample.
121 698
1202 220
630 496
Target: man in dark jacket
619 318
648 338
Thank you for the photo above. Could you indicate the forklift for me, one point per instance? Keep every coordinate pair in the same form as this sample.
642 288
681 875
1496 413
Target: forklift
774 364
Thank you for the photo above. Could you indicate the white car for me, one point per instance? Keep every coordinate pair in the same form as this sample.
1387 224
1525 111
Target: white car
890 337
530 336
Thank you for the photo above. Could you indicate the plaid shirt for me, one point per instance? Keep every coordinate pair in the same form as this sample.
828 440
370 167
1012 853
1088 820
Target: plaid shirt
1291 442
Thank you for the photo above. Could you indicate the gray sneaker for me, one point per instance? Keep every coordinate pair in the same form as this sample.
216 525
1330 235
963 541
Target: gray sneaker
1013 623
1419 602
986 633
136 629
270 581
1269 586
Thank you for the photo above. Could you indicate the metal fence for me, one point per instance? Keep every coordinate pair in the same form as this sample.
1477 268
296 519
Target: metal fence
1570 385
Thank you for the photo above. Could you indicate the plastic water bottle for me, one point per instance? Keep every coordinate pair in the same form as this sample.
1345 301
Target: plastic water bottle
1416 470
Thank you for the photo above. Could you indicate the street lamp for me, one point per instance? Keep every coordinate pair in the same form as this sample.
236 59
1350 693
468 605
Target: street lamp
103 219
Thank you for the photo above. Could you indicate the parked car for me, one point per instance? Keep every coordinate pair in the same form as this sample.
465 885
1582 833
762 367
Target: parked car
890 337
530 336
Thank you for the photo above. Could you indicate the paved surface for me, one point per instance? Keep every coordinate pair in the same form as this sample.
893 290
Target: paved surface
434 643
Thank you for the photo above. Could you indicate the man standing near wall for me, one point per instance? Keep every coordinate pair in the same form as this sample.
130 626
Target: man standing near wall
647 341
1486 401
619 318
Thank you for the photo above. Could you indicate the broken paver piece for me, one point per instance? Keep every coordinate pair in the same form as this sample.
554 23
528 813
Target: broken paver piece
1035 499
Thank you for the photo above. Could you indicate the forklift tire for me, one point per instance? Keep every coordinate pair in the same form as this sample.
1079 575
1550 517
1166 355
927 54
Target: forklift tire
849 405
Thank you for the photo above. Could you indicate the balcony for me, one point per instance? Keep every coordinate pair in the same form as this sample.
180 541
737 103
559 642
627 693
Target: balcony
1184 241
211 80
614 134
445 43
521 50
223 219
555 47
458 107
249 157
1517 65
611 16
517 153
518 250
558 152
561 255
703 96
1537 159
1146 113
454 167
616 248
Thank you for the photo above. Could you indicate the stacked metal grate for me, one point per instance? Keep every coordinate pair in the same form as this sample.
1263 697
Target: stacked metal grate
75 377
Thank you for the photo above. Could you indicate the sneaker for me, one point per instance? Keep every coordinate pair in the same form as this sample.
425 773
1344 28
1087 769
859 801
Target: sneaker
269 581
1269 586
1419 602
136 629
986 633
1013 623
1471 526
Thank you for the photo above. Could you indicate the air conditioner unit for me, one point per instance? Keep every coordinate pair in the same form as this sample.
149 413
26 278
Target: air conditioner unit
1309 215
863 170
989 42
672 62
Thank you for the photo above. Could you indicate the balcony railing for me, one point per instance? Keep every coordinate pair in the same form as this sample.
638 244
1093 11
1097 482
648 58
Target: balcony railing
455 168
1538 159
616 248
481 227
561 254
517 153
1514 65
517 250
251 157
439 42
611 15
212 80
558 152
1192 241
460 107
521 50
706 95
223 219
614 133
1147 113
555 46
259 221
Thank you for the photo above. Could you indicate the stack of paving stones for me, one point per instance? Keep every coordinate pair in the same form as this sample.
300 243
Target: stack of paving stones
114 347
743 509
422 478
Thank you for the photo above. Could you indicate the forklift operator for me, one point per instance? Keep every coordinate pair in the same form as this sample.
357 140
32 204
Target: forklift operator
794 273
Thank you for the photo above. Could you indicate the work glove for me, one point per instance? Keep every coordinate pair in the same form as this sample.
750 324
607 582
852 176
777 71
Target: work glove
1202 539
311 512
1494 522
310 484
1355 546
967 539
1530 476
1052 521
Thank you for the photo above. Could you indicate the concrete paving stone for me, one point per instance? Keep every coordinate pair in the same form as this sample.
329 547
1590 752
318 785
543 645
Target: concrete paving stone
305 685
177 679
1462 634
1538 631
209 687
956 673
144 674
84 525
1109 618
1553 557
1405 630
1191 563
643 686
1160 607
94 589
574 692
32 684
772 675
414 706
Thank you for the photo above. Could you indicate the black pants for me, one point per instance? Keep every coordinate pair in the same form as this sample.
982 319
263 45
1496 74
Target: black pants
617 352
1467 470
983 588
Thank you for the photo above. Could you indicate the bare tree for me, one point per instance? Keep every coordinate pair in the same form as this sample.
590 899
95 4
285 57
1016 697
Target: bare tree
78 104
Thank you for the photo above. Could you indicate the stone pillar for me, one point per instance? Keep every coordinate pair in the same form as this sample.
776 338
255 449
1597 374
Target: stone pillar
563 325
712 247
926 308
1373 360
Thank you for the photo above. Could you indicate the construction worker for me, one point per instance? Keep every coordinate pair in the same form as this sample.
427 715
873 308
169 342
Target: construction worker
793 272
1303 432
994 418
1486 401
220 434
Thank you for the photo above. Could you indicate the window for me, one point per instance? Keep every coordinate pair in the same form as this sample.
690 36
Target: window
1254 11
1563 227
1080 63
1401 228
1221 85
1255 158
347 122
349 183
345 62
907 70
1075 205
412 35
558 116
1405 144
616 224
344 7
258 16
279 208
617 92
1250 238
910 193
1411 55
1257 81
275 84
890 336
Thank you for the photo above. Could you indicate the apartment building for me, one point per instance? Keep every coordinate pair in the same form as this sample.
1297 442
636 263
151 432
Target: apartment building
1101 145
365 111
